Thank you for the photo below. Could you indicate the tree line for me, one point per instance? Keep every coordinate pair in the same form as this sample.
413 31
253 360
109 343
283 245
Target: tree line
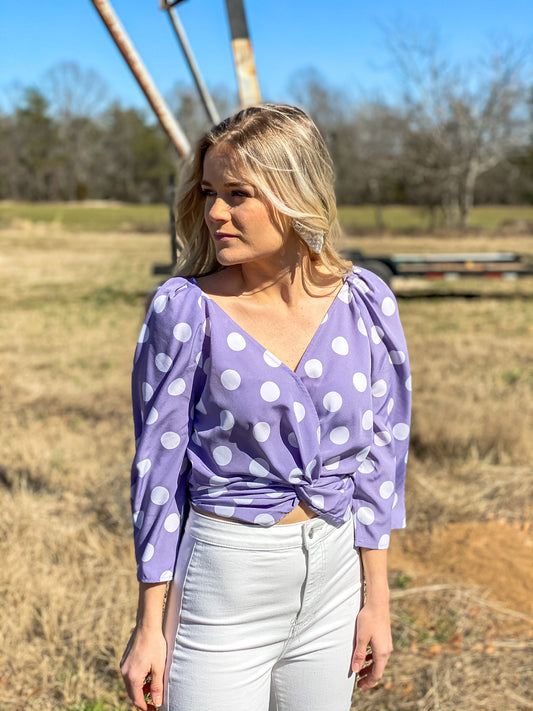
452 134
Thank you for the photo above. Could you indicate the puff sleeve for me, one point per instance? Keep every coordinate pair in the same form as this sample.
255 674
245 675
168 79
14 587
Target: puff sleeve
164 381
379 504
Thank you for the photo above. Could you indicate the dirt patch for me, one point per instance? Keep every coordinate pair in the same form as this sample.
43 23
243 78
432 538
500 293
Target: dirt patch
495 556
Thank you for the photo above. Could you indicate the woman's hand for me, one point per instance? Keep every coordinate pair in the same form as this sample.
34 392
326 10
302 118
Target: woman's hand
372 629
143 665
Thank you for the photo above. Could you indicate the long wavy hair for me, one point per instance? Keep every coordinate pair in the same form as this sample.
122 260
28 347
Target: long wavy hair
283 155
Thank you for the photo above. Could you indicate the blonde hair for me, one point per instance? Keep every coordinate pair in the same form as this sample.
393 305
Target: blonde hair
284 156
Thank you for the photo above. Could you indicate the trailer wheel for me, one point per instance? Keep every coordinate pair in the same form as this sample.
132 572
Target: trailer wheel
382 270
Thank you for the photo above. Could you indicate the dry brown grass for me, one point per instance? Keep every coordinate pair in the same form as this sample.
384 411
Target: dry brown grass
71 306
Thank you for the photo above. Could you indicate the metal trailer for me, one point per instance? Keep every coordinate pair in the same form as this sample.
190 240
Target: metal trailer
493 265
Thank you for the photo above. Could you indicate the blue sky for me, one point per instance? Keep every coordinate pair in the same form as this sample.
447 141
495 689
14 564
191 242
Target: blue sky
343 39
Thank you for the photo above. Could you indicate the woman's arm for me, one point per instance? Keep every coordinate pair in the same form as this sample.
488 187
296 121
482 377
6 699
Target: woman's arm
145 654
373 622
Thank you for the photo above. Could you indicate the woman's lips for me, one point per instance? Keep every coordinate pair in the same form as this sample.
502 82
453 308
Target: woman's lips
221 236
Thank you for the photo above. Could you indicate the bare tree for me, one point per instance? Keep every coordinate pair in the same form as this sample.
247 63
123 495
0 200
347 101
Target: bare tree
462 121
73 91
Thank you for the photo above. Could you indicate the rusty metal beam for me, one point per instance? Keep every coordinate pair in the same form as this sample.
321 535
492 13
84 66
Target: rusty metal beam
205 96
135 63
243 55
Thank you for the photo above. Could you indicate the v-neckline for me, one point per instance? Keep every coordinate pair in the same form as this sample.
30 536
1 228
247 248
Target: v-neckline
310 343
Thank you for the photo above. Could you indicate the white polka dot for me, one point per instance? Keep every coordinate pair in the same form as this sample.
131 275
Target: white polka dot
318 434
270 391
292 439
361 286
366 467
163 362
222 455
397 357
176 387
207 327
388 306
260 482
236 342
182 332
383 542
147 391
395 500
274 494
225 511
332 464
401 431
160 302
390 405
230 379
332 401
138 518
199 359
148 553
152 416
159 495
296 475
200 406
299 411
310 468
347 514
345 294
165 576
264 519
377 333
214 493
261 431
365 515
361 327
408 384
379 388
317 500
143 467
324 319
217 480
363 454
195 438
339 435
144 333
360 382
367 420
170 440
406 457
382 438
226 420
313 368
172 523
258 467
386 490
271 360
241 500
340 345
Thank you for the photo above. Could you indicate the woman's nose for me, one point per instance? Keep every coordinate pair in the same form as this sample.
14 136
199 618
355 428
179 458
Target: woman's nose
219 210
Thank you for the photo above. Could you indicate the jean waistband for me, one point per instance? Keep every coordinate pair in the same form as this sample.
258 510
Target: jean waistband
231 534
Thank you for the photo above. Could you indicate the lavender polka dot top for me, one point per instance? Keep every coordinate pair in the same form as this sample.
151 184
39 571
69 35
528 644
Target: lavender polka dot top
223 424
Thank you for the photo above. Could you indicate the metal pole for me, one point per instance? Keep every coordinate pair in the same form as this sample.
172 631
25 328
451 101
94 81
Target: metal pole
135 63
243 55
210 108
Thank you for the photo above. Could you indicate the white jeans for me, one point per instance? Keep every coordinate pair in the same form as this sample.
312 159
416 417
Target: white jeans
262 619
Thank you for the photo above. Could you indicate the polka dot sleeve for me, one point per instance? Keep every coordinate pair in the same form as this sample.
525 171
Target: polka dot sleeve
379 486
164 379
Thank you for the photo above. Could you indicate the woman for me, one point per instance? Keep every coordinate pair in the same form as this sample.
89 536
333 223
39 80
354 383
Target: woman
271 398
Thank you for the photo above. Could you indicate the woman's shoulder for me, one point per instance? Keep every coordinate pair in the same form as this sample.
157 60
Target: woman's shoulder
370 288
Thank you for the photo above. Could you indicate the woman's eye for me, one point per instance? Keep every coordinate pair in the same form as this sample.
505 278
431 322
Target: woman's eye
240 193
206 192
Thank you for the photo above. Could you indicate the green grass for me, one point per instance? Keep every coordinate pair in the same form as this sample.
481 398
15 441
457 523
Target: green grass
99 217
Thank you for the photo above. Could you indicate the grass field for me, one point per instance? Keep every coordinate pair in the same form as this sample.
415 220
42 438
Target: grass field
103 216
71 305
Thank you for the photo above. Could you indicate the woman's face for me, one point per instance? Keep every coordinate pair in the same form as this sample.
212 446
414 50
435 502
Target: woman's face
239 220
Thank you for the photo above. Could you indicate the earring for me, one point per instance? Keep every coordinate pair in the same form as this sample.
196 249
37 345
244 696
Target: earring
314 240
